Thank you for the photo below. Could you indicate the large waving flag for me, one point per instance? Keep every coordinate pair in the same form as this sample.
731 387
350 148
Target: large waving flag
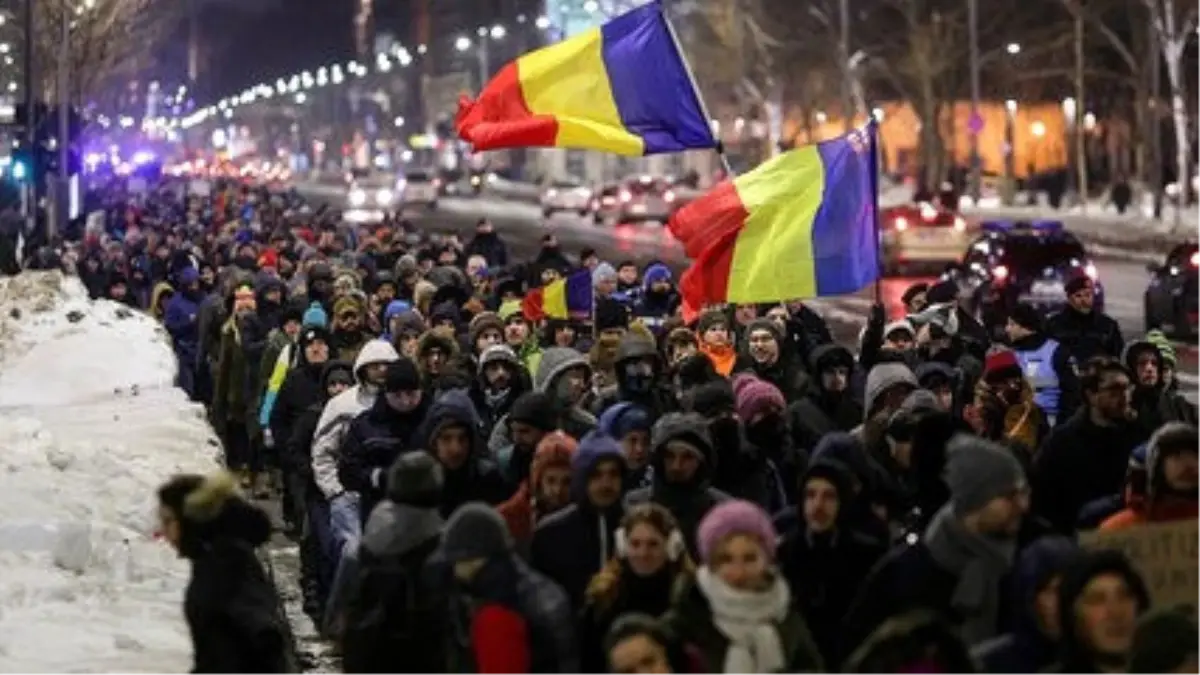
800 225
569 298
622 88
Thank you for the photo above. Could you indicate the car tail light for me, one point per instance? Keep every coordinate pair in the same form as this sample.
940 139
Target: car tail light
999 273
626 196
960 223
1196 259
1090 270
901 224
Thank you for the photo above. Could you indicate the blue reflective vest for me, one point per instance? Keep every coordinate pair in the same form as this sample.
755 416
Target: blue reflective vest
1038 366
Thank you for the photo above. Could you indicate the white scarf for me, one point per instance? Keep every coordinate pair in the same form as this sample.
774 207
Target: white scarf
748 620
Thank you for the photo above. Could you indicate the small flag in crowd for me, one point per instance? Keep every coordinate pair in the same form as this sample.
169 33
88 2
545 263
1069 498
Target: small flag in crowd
800 225
569 298
622 87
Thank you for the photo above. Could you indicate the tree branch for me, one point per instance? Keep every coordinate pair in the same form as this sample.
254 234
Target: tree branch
1126 54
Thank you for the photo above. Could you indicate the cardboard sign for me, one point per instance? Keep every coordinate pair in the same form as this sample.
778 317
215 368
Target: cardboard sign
1164 553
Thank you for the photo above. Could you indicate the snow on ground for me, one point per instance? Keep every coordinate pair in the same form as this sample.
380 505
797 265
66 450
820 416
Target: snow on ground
90 425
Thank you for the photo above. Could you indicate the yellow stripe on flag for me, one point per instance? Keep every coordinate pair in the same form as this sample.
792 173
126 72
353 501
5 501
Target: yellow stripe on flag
569 81
554 299
774 249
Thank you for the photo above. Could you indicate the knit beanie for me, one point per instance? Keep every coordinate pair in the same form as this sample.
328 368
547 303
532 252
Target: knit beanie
711 318
735 516
510 309
475 530
1159 339
554 450
881 378
603 272
402 376
498 354
712 398
754 397
655 273
1026 316
1001 365
978 471
416 479
1076 283
609 314
346 304
535 408
482 322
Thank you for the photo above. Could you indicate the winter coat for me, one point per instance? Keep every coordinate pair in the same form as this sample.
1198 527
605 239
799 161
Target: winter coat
650 596
655 398
571 545
1073 653
514 619
1154 506
1086 335
491 409
339 412
233 613
1026 649
688 503
817 413
279 356
491 247
479 479
395 611
181 321
555 361
375 438
236 386
1060 488
691 620
301 389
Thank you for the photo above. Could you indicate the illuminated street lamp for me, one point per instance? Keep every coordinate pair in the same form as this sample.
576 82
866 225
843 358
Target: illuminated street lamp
462 44
542 23
1011 106
1013 48
1038 129
498 32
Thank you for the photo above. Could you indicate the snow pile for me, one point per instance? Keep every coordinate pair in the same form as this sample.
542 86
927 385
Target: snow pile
89 427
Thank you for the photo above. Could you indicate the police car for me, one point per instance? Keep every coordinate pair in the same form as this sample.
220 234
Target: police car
1022 261
1171 298
922 235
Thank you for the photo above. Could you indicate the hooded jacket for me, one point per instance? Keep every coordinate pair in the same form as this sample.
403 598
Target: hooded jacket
1152 507
493 406
1074 656
339 412
1026 649
554 362
818 412
691 502
650 394
572 545
373 441
232 609
478 479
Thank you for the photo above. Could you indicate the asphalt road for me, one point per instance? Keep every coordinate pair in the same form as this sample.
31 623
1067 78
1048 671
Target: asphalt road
522 225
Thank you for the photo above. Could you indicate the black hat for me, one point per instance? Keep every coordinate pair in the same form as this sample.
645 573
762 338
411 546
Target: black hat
416 479
402 375
913 291
311 334
941 292
611 314
1076 283
537 409
1026 316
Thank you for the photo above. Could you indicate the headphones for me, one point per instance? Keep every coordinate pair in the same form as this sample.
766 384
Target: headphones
676 546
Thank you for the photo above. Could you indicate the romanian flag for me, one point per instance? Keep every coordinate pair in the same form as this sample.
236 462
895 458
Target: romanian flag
622 88
569 298
801 225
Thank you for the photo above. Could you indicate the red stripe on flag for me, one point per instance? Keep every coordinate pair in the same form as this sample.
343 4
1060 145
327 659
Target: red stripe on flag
708 229
500 118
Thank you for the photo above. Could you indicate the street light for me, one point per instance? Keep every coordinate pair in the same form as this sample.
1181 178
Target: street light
1013 48
498 32
398 122
542 23
1038 129
462 44
1011 106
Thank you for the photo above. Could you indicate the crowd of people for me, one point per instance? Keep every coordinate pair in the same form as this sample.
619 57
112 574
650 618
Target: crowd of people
476 487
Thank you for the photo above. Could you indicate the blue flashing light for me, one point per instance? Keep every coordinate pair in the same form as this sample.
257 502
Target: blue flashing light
19 171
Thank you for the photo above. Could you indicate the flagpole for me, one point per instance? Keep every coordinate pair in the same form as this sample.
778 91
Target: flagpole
687 68
873 133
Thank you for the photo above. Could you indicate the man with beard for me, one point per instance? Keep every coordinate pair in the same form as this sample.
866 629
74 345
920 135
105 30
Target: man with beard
658 299
958 568
348 334
566 375
765 356
498 382
181 321
515 437
1086 458
1085 332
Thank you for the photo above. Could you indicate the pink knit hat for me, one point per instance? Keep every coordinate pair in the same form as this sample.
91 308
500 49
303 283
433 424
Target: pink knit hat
736 516
756 397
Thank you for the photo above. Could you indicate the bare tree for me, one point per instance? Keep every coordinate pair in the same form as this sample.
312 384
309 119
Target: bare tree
108 39
1175 25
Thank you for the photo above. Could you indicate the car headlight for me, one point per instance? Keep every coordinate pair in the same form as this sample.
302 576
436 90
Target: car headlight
357 198
384 197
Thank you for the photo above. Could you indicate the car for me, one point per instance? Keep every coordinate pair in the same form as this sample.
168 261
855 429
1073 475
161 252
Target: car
640 199
372 192
566 195
1014 262
420 186
1171 302
922 236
